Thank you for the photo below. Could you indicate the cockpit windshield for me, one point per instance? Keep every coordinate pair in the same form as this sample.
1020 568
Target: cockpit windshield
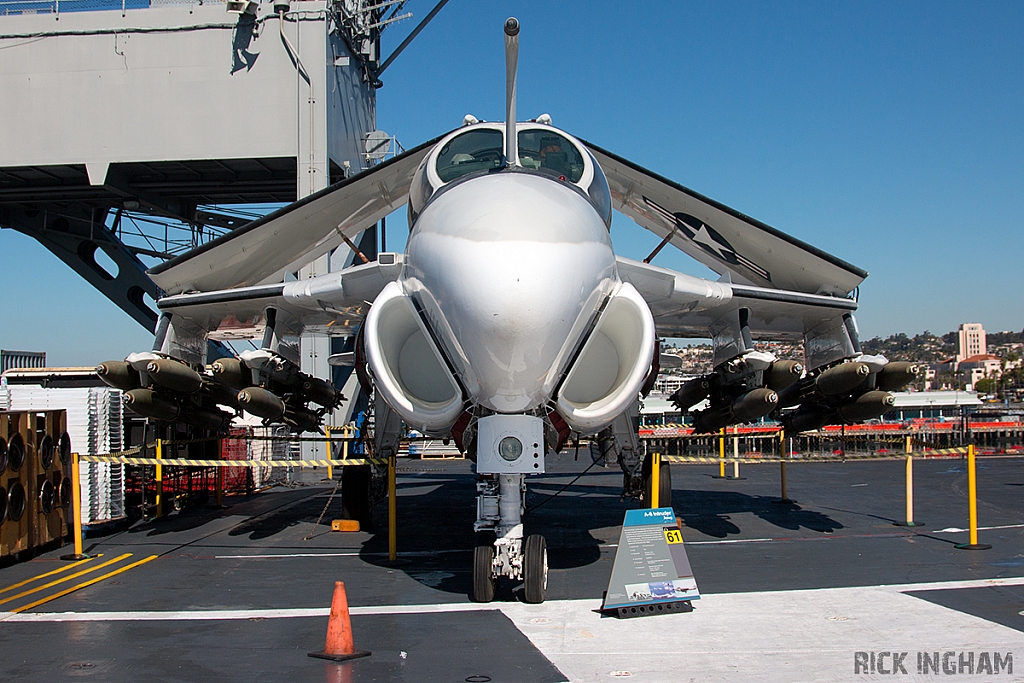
545 150
475 150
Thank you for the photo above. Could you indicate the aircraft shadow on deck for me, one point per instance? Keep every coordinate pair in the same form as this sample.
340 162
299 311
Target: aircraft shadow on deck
709 512
266 515
436 514
575 523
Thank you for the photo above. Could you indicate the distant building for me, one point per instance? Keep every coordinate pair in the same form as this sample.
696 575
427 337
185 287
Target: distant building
972 341
978 367
940 375
931 404
21 359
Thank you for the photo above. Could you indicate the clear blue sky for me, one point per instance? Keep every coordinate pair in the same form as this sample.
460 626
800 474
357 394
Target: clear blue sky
889 134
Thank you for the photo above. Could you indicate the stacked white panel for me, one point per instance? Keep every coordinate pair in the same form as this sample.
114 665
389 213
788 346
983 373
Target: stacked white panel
94 416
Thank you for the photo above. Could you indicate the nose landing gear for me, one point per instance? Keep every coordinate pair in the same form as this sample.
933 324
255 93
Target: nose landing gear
508 447
499 509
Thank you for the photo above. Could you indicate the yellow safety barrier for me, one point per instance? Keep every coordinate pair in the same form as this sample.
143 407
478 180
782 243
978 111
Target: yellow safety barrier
784 498
655 479
219 494
159 497
721 453
392 510
736 454
708 460
76 510
347 432
909 448
972 502
185 462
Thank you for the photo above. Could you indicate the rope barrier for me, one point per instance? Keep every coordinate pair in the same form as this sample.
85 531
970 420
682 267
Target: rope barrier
183 462
118 454
258 437
708 460
849 439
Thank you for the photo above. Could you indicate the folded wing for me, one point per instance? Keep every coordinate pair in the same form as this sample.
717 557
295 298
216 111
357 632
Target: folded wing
721 238
332 304
262 251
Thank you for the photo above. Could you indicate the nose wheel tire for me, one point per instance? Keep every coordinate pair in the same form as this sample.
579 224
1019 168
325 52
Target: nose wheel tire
535 569
664 482
483 573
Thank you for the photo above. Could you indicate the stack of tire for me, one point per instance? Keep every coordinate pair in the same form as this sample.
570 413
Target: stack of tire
14 451
35 487
51 483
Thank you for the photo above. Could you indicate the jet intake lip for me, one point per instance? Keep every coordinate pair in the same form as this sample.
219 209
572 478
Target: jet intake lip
611 368
408 369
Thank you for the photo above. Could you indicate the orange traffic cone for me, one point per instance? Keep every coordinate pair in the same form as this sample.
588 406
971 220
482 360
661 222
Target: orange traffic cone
339 646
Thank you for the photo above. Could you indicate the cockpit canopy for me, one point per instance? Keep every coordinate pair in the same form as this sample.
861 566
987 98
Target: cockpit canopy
481 149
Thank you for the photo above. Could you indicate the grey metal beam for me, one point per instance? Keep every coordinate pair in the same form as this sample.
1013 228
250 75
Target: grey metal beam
409 38
74 239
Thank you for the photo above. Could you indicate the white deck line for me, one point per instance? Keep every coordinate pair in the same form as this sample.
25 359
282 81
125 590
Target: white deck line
241 614
957 530
794 636
353 553
509 608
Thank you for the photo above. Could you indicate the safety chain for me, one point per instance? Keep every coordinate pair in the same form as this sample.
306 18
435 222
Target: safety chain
324 511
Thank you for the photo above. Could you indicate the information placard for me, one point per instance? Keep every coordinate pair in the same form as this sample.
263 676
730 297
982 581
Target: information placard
651 567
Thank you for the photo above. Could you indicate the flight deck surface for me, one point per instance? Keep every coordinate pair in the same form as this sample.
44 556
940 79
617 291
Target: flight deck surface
789 591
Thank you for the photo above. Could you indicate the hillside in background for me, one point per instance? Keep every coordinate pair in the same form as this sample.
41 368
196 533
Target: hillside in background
922 348
929 348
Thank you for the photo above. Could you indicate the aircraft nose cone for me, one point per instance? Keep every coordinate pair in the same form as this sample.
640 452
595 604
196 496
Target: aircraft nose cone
509 270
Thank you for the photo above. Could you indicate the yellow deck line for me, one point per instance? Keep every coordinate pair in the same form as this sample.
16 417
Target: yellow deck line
80 586
43 576
66 578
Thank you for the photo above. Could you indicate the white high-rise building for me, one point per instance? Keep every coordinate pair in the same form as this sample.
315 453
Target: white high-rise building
972 341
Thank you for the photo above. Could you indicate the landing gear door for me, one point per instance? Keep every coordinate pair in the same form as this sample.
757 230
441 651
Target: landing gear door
510 444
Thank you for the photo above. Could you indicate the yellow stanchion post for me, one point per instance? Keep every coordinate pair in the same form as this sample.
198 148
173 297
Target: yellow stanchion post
785 500
76 511
910 487
655 479
721 454
392 510
330 468
735 476
219 495
159 479
972 502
